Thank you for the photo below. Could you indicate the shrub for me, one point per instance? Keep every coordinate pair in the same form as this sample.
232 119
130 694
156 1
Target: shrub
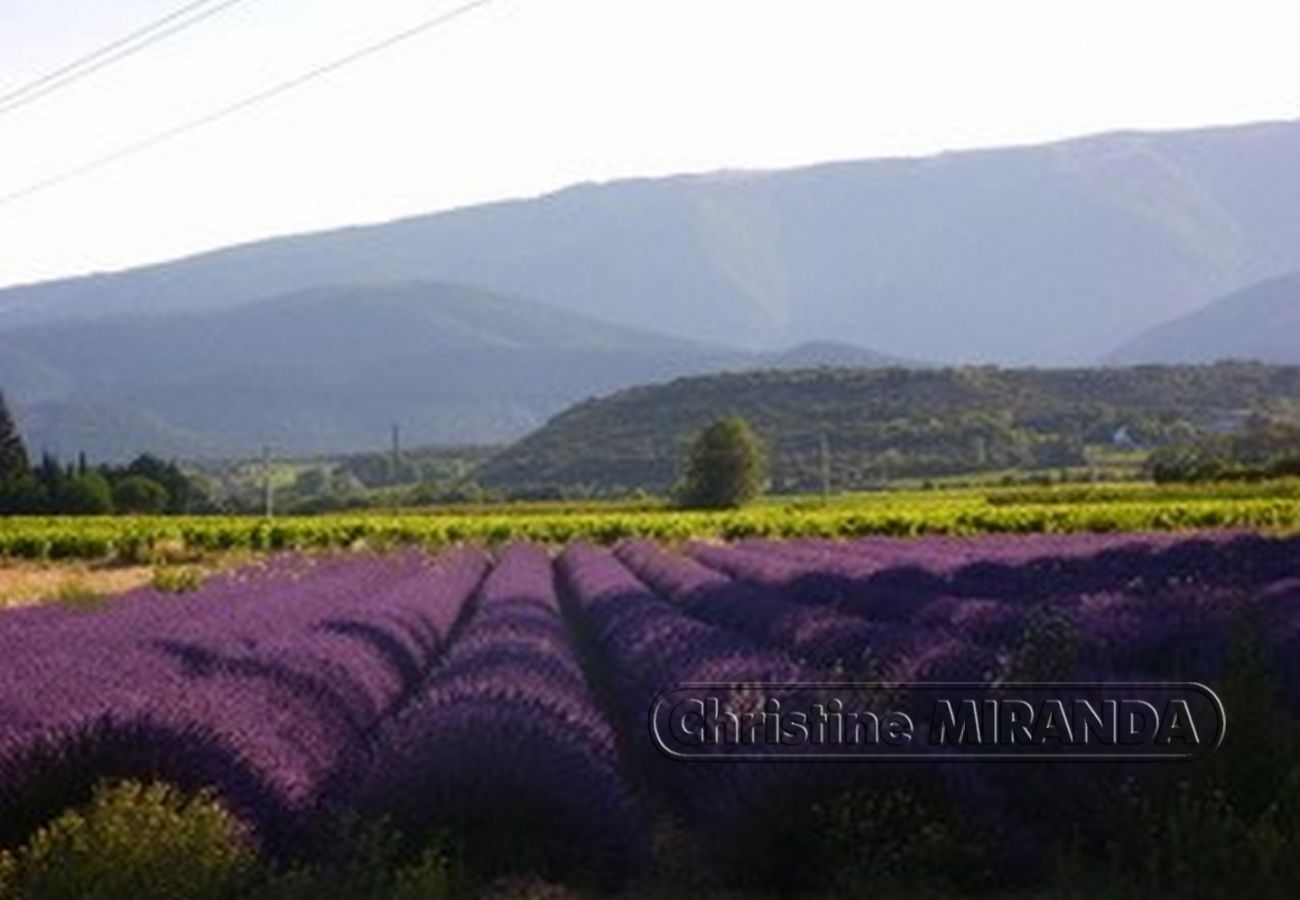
370 862
139 842
177 579
79 596
907 837
6 875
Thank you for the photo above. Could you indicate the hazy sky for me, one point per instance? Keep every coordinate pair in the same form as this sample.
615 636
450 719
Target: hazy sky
524 96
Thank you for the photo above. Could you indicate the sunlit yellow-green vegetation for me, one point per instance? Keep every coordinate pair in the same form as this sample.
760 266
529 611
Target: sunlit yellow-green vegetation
137 841
1138 491
132 840
172 579
1271 505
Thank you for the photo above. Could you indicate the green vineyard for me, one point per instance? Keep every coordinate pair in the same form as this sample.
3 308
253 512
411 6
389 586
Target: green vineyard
137 538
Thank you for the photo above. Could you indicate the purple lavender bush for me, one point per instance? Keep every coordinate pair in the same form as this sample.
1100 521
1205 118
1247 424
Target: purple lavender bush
256 688
505 747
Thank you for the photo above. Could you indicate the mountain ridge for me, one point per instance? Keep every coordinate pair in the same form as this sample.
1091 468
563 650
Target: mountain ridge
1260 322
327 370
1046 254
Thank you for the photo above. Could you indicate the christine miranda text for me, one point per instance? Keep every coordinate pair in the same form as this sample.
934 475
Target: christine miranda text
979 721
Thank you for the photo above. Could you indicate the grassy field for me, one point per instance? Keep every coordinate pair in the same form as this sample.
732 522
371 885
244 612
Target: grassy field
1108 507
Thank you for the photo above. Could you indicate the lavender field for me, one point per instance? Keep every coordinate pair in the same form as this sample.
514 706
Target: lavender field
502 697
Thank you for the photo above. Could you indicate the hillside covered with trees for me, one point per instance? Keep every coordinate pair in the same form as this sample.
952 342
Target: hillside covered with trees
884 424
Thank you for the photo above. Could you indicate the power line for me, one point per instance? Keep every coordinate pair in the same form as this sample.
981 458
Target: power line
115 51
239 106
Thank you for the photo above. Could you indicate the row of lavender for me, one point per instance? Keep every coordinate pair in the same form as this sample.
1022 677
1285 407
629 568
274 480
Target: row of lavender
509 703
750 818
1156 605
1087 608
259 686
440 694
505 744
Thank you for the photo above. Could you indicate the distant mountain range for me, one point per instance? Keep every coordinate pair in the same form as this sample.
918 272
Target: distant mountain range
1053 254
476 325
1261 322
328 370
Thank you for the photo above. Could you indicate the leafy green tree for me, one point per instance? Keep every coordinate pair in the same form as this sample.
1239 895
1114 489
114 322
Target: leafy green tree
182 493
13 456
52 477
19 492
726 466
22 494
138 494
88 494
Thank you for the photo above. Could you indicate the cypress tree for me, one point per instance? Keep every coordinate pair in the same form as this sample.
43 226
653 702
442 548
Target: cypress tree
13 456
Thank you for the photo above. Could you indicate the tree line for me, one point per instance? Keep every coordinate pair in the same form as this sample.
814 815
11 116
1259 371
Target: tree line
862 429
1264 448
52 487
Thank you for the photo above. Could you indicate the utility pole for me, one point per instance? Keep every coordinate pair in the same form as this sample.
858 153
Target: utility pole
267 494
826 468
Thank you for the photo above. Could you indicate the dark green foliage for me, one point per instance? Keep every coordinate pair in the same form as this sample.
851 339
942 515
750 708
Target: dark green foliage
725 467
138 494
1228 824
85 494
147 485
1265 448
883 424
22 493
180 490
13 456
53 478
370 863
903 835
